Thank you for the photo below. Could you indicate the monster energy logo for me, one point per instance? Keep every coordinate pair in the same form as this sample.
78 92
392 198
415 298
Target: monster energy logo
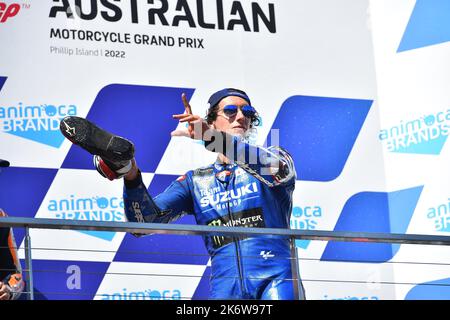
252 218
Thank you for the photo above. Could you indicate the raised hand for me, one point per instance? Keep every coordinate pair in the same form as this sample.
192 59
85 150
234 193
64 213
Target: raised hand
197 126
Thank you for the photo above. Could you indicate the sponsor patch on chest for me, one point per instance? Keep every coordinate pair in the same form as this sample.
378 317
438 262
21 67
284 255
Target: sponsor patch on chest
215 197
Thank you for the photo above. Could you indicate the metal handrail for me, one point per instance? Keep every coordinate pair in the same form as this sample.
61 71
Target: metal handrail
184 229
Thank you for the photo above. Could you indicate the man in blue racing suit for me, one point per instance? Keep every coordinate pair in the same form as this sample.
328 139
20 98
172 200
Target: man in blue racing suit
247 186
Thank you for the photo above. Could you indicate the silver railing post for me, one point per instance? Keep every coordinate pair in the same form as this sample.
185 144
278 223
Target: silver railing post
28 265
299 292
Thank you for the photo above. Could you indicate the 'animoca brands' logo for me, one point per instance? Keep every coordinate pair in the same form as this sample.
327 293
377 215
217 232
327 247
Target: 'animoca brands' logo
305 218
37 122
146 294
424 135
98 208
439 215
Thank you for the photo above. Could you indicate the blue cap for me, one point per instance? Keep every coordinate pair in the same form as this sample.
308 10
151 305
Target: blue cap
219 95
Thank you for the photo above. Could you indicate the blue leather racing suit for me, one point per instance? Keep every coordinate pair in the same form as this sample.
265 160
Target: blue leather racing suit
254 190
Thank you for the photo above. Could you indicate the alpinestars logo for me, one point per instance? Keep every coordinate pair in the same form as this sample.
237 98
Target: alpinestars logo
69 130
424 135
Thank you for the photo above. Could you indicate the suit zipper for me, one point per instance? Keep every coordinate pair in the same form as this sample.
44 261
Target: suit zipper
236 244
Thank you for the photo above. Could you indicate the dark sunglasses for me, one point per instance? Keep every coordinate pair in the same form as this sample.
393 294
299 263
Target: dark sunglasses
231 110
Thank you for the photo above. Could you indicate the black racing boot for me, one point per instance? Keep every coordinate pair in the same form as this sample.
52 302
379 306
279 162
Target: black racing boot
112 154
